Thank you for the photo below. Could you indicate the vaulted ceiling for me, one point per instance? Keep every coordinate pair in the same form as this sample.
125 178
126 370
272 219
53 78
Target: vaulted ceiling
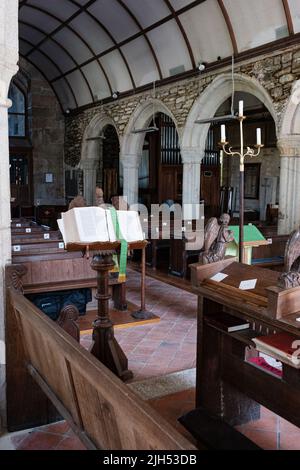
87 49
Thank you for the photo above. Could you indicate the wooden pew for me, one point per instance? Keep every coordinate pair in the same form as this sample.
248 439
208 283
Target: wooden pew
43 235
37 274
37 246
102 411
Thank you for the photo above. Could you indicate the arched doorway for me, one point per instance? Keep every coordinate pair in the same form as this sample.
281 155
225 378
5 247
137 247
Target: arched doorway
108 176
220 173
100 158
197 144
137 144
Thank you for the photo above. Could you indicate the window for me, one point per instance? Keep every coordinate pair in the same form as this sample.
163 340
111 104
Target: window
17 112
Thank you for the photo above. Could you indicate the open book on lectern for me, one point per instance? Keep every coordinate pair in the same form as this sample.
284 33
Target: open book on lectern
94 224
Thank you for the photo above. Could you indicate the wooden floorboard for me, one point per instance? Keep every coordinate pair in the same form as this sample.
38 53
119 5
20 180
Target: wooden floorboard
120 319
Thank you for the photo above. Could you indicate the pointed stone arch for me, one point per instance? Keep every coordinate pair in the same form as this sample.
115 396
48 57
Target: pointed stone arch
132 144
91 152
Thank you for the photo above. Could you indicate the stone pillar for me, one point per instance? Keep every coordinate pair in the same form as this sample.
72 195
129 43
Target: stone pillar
289 196
191 159
130 164
8 68
89 168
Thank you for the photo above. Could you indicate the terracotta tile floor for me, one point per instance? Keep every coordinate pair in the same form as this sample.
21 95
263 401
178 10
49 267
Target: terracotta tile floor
158 349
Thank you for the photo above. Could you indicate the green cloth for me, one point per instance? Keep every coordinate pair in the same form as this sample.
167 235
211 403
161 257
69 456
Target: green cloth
124 245
251 233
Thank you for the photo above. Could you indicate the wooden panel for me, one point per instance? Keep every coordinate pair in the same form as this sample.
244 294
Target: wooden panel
93 399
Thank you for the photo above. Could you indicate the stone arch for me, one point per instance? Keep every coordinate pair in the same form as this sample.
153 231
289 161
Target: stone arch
290 123
132 144
289 146
91 152
194 136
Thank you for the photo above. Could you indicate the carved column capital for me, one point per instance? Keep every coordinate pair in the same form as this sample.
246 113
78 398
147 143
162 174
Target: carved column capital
191 155
130 161
289 146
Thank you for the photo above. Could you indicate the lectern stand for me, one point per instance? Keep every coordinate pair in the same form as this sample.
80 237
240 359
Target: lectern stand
105 346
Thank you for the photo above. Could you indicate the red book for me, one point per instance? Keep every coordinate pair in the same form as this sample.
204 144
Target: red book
261 363
283 345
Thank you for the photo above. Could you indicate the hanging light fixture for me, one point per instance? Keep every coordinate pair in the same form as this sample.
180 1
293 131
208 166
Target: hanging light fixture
153 128
228 117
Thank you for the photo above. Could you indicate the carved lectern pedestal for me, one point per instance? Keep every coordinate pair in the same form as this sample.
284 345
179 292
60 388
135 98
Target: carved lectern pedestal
105 346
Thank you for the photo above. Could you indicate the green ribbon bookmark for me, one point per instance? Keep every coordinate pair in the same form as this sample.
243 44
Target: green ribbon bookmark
124 245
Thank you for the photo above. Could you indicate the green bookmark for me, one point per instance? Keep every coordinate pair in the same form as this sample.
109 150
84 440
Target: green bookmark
124 245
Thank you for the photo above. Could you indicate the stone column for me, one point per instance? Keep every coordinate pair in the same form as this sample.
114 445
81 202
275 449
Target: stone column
191 159
289 196
89 168
130 164
8 68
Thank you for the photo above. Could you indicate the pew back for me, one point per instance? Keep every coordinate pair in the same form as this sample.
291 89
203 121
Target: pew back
102 410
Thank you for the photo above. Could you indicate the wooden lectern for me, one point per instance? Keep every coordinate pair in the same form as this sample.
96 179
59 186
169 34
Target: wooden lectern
105 346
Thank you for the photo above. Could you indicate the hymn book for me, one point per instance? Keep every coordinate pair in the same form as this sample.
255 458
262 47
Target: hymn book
95 225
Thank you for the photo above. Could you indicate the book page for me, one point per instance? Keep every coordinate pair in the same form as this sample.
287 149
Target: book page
130 226
91 223
60 224
70 230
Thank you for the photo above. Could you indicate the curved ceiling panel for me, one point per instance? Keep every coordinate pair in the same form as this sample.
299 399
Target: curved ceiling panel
88 48
156 10
65 96
295 13
97 80
141 64
89 29
161 38
119 77
80 88
74 45
54 7
197 23
114 18
257 22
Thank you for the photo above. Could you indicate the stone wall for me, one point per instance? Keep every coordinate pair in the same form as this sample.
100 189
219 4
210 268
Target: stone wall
276 72
47 135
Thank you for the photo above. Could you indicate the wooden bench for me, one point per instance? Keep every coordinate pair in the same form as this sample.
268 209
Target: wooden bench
36 236
102 411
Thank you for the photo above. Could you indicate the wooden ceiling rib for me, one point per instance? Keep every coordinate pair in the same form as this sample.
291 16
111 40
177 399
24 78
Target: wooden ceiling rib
53 63
142 32
50 36
229 26
288 15
186 40
45 77
129 12
101 25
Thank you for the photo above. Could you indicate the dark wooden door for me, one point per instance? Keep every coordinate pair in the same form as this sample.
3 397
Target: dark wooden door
21 178
210 189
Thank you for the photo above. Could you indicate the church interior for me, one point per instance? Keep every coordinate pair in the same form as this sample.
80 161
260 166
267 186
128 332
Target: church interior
149 225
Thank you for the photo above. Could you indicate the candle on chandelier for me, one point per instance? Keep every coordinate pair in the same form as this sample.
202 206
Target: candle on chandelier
241 108
258 136
223 134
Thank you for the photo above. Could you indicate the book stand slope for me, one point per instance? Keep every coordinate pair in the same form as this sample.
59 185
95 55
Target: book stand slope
105 346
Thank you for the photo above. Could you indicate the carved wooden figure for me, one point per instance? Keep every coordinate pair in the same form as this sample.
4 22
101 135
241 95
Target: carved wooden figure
291 276
216 237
